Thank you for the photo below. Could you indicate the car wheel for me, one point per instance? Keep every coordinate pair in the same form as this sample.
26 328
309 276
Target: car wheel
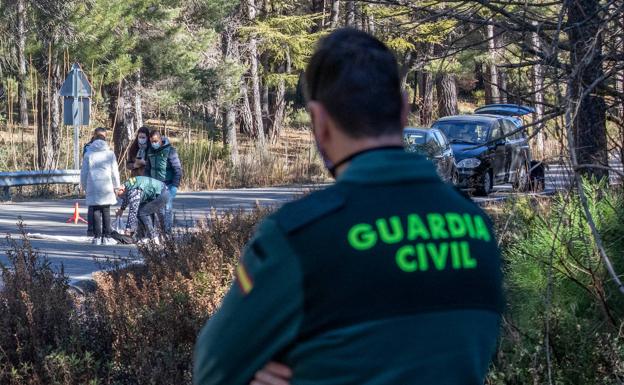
521 181
485 186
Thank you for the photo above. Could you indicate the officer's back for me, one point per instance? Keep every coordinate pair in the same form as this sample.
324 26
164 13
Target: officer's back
389 276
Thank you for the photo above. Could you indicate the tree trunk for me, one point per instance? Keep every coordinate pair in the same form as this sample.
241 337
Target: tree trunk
21 58
138 104
487 85
492 81
414 101
49 115
589 123
122 116
318 6
538 98
255 92
447 95
229 133
280 102
256 105
370 18
425 88
350 19
357 24
406 67
335 14
502 81
228 110
45 144
266 114
247 125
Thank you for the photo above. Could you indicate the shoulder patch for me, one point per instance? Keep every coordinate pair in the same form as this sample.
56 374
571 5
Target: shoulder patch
295 215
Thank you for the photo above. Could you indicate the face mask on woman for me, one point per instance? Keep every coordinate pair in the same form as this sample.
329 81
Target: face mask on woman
142 141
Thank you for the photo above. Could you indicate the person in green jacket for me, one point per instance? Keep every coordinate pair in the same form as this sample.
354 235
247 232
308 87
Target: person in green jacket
144 197
163 163
388 276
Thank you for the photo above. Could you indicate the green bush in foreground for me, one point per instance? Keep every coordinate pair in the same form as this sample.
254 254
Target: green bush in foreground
559 293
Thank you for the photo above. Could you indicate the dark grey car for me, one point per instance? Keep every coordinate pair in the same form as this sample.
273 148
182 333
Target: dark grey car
433 145
487 151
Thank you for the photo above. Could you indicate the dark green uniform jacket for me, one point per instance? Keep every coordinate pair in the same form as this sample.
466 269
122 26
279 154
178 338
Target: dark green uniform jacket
389 276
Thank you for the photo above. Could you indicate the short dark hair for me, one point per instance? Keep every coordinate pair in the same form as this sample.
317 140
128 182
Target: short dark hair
155 132
99 131
356 78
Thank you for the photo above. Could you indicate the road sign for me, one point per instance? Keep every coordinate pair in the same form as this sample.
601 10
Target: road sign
84 111
83 87
76 92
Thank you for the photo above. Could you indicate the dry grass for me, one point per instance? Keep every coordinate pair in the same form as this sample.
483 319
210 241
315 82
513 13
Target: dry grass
207 165
292 159
138 327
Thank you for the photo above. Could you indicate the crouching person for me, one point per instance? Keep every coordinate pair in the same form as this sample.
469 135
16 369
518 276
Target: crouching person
144 197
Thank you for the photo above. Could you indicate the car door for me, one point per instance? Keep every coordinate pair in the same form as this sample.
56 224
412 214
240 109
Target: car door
518 150
498 152
511 150
447 161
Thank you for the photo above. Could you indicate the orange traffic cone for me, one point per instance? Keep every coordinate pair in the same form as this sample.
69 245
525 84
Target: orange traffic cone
76 217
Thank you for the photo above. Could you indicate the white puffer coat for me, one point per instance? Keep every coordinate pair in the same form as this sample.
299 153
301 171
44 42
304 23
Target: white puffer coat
99 175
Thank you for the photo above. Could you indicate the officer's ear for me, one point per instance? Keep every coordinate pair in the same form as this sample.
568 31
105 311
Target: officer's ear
320 120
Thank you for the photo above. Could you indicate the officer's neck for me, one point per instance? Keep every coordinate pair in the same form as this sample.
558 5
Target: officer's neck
357 146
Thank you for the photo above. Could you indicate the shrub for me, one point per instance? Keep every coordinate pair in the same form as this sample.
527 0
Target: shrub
39 325
297 118
559 292
140 324
138 327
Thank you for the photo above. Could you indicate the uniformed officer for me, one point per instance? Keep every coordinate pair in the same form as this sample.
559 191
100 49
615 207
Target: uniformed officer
389 276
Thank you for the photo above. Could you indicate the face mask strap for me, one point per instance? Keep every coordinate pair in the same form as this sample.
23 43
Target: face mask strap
332 169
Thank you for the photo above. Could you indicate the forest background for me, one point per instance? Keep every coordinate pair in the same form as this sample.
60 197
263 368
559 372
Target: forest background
222 78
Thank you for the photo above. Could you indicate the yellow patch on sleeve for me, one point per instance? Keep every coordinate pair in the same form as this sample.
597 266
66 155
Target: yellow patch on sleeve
244 280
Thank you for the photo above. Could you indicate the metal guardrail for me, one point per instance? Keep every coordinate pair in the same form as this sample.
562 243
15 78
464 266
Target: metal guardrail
29 178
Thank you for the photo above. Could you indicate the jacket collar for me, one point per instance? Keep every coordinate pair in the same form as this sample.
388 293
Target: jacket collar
387 166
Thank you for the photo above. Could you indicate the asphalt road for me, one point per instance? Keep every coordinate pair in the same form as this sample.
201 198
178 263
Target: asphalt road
67 245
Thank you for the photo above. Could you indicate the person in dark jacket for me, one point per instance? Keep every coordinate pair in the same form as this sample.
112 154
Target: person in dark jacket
389 276
163 163
137 154
144 197
99 132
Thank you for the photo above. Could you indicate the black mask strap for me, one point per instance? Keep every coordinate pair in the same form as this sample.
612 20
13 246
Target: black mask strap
332 169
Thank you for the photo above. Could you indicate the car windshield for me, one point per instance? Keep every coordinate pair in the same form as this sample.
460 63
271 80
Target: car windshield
411 138
464 132
417 142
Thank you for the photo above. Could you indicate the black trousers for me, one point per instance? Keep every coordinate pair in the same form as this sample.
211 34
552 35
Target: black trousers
101 221
90 221
157 206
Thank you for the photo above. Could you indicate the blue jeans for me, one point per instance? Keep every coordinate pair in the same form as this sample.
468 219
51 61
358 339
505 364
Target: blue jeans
151 208
173 190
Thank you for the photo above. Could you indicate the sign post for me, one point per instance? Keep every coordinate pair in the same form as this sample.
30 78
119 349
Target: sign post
76 92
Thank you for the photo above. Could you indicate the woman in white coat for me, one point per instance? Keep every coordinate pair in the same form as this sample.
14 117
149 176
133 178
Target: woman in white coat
99 177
